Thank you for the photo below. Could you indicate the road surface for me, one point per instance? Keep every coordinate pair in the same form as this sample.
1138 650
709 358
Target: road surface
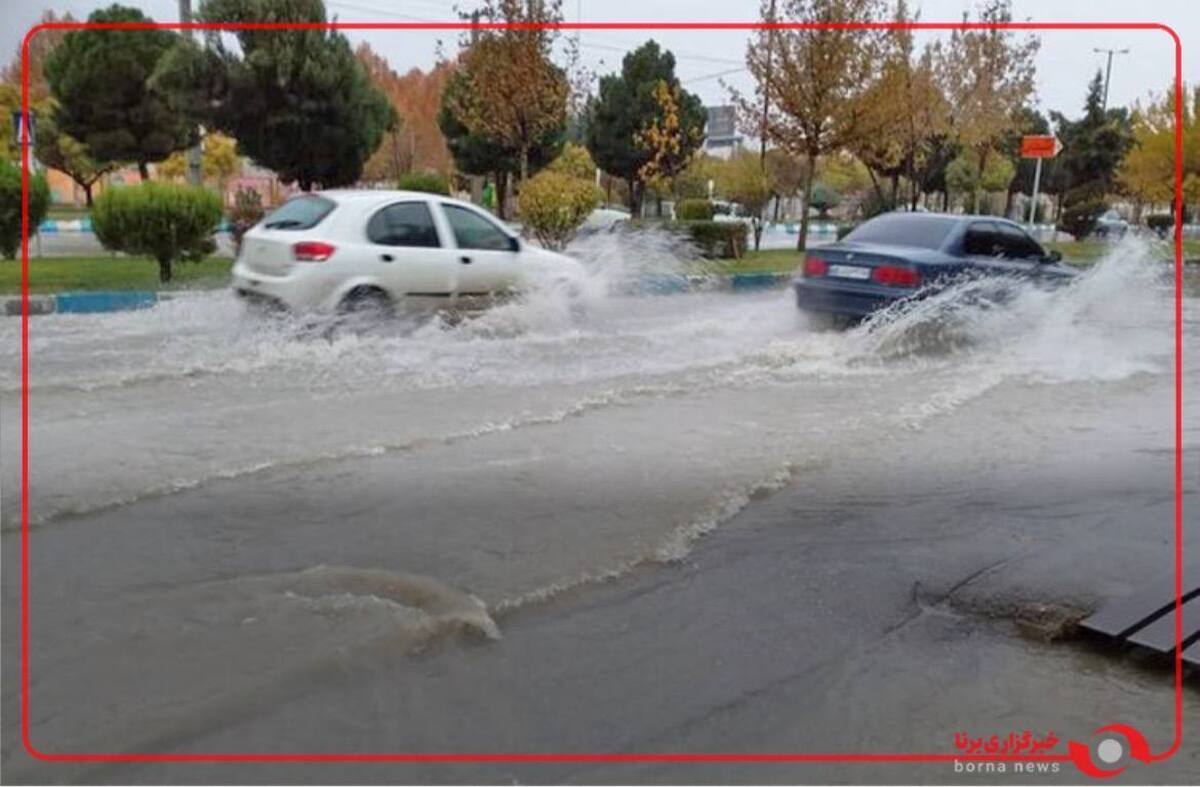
655 524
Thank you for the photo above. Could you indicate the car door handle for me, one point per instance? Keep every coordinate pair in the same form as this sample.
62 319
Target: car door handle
465 260
387 257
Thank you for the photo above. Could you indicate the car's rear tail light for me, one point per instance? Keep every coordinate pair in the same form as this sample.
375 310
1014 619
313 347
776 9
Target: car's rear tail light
312 251
896 276
815 267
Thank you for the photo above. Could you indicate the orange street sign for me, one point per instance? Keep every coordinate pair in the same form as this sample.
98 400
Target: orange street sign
1040 146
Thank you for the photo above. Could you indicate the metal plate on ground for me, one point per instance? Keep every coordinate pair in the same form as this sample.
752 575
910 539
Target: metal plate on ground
1147 618
1191 654
1160 635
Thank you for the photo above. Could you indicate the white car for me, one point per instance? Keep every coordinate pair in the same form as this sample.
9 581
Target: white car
345 251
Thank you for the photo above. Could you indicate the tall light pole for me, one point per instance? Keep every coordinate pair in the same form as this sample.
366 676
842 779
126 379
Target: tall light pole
1108 69
195 176
762 150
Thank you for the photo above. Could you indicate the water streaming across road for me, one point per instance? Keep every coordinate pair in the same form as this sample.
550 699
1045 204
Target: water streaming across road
208 487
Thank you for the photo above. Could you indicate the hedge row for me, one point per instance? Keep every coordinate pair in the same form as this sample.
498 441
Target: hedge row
714 239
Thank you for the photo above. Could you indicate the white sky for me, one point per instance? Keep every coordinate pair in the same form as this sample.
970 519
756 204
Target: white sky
1065 63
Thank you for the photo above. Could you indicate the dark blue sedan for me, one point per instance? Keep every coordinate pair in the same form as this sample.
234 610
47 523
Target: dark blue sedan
905 255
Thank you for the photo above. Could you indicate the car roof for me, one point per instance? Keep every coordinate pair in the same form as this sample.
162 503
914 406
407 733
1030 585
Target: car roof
365 195
962 218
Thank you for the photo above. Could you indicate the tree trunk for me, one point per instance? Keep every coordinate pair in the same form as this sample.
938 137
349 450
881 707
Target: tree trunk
895 190
979 184
87 193
758 231
946 200
143 170
809 176
164 271
502 194
633 201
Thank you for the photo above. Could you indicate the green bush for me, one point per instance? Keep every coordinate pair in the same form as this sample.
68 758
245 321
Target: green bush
10 206
1081 209
166 221
247 211
715 239
429 182
554 204
694 210
824 199
1160 222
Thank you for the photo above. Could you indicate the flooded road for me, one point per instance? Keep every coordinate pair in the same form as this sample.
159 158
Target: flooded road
678 523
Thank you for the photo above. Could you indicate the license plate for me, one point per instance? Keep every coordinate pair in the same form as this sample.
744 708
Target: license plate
849 272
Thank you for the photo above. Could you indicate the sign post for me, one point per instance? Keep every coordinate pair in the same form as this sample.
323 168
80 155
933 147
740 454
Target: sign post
1040 146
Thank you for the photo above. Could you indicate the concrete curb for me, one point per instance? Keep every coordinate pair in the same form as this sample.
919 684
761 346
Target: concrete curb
671 284
83 302
129 300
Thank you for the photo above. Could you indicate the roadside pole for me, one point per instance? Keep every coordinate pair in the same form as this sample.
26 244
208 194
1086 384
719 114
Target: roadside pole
1038 146
1037 179
195 176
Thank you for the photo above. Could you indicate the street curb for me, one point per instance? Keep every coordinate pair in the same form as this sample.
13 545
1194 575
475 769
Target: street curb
83 302
129 300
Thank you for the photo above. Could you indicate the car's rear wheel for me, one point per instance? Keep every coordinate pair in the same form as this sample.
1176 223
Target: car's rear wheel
370 303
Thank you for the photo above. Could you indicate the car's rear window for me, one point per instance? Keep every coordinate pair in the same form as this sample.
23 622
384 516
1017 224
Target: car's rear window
905 229
299 213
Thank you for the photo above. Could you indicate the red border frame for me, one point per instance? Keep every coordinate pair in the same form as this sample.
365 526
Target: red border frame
1141 752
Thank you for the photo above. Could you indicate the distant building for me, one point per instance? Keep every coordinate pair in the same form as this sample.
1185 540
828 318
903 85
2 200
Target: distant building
721 135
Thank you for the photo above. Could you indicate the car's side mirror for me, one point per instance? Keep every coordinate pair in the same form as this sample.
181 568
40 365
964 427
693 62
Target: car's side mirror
1054 256
514 244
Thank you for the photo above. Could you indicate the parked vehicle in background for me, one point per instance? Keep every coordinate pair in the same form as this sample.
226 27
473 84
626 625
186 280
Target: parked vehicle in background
896 256
347 251
729 211
1110 225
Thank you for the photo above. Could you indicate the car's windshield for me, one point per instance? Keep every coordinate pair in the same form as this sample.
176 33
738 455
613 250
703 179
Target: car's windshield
300 213
905 229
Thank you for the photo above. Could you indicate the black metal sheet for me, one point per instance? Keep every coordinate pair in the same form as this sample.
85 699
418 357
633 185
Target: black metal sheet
1191 654
1126 615
1160 635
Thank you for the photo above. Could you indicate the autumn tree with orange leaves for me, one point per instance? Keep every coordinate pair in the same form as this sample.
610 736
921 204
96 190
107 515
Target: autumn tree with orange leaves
416 143
514 94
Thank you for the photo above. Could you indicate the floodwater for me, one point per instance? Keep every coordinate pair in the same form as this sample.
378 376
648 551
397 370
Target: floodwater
599 522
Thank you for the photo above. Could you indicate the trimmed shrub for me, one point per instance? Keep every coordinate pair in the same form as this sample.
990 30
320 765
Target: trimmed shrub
694 210
553 205
1081 209
715 239
247 211
1160 222
824 199
10 206
166 221
429 182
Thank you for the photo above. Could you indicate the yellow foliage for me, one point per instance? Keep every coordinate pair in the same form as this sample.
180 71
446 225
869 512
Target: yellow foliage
553 205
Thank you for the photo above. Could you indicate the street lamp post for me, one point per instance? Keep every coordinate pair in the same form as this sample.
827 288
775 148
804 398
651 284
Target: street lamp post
1108 69
195 176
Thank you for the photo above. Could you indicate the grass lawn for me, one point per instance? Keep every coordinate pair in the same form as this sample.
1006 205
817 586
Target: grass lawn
765 261
67 212
66 274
